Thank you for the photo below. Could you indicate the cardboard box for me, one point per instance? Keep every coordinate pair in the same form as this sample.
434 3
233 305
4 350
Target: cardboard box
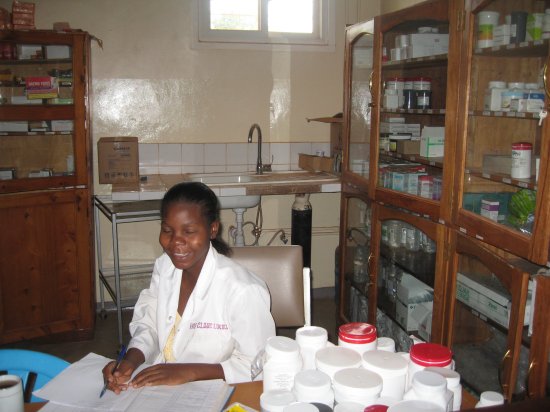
408 146
58 52
412 290
403 315
315 163
432 141
118 160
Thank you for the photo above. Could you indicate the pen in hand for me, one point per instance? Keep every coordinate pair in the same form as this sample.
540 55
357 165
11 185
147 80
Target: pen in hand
118 360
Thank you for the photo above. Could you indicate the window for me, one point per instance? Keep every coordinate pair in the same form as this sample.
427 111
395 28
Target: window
266 22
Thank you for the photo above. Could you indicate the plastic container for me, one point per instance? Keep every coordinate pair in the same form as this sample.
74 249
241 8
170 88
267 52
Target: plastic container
534 96
313 386
431 387
276 400
453 384
385 343
521 160
493 95
356 385
424 355
349 407
334 358
392 368
359 336
300 407
310 339
422 83
486 20
282 363
518 26
490 398
424 99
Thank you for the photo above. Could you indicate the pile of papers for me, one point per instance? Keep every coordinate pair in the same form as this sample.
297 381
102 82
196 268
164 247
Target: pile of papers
77 388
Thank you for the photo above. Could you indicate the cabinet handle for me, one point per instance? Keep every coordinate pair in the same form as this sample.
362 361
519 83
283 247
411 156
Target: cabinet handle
531 366
371 104
545 79
500 368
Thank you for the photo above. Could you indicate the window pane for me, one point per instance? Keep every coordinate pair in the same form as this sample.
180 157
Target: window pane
234 15
290 16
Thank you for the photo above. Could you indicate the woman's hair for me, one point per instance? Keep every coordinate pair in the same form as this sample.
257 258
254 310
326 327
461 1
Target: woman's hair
199 194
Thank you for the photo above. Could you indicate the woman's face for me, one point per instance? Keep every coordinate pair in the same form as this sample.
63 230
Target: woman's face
185 236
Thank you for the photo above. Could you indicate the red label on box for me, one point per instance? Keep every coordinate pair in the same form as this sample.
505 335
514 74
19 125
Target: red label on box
39 83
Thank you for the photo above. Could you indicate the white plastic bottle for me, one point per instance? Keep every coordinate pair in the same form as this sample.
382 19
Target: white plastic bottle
453 384
283 363
313 386
311 339
490 398
431 387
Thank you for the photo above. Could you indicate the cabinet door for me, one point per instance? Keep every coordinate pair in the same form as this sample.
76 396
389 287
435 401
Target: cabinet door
503 137
358 102
408 258
411 133
355 257
487 300
46 283
538 385
43 111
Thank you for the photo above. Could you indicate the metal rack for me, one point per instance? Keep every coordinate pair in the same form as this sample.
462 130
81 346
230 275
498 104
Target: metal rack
118 212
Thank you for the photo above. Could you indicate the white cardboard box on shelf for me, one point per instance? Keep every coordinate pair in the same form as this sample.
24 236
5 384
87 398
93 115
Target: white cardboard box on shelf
423 315
58 52
62 125
19 126
429 39
412 290
403 315
432 141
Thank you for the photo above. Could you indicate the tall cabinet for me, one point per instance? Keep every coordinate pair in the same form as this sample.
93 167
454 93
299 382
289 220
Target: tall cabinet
440 239
46 241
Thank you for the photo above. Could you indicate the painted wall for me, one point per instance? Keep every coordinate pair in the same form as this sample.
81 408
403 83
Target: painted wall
149 81
388 6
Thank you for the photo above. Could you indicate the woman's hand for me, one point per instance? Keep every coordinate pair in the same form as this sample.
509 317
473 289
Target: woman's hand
176 374
118 381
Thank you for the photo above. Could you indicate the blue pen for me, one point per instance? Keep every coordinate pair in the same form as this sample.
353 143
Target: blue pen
118 360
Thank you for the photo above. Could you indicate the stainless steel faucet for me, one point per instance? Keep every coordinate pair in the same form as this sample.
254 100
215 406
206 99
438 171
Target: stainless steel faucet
259 166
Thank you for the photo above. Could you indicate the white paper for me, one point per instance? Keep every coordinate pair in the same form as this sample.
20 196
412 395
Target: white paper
78 386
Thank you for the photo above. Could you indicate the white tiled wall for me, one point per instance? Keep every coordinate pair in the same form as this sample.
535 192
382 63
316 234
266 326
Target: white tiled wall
173 158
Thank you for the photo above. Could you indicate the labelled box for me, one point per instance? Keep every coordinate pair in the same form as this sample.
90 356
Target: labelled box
118 159
432 141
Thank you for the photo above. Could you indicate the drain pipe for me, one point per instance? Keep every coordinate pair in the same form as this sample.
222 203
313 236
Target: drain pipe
301 225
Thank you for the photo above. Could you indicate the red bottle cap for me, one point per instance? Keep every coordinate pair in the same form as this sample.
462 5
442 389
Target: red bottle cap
357 332
431 354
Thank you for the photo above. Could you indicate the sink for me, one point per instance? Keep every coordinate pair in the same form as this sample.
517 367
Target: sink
221 178
232 201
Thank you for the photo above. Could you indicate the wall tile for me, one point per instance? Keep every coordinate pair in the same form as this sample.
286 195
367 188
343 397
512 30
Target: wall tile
170 154
214 154
148 154
192 154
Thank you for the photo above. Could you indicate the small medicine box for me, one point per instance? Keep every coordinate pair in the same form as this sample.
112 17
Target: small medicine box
118 159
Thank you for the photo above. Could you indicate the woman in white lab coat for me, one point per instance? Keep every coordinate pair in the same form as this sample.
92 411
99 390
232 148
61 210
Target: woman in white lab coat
203 316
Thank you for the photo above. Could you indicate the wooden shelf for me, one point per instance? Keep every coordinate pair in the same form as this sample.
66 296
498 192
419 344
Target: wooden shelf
503 178
414 111
426 61
537 48
515 115
428 161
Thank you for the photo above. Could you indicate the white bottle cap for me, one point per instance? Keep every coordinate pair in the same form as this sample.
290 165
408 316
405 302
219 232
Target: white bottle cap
334 358
490 398
276 400
312 336
300 407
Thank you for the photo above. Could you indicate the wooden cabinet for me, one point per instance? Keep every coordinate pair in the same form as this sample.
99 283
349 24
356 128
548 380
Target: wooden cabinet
463 247
46 244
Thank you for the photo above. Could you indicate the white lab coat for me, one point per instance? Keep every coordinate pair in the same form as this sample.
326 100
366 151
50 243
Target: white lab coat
227 319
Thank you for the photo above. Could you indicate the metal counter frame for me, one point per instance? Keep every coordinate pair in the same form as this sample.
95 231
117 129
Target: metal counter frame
118 212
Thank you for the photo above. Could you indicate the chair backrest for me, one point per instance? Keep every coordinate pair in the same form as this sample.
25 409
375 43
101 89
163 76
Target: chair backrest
281 268
35 368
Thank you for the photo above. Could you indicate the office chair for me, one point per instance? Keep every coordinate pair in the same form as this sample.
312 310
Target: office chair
35 369
281 268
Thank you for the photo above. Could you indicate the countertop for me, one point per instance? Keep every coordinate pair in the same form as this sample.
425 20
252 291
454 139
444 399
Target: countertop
232 184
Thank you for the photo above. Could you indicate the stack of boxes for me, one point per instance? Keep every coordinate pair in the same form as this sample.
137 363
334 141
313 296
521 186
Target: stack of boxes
427 42
22 15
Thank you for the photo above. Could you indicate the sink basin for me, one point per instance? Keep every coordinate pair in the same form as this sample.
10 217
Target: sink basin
232 201
221 178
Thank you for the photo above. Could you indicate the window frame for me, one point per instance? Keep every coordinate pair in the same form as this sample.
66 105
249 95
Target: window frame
322 38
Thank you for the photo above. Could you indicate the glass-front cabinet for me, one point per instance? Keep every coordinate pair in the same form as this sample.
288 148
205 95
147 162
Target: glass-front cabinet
503 142
489 313
41 144
412 134
356 257
407 258
358 102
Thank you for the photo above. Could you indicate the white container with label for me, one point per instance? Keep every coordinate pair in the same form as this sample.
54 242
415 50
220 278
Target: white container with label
521 160
283 363
334 358
487 21
385 343
490 398
431 387
493 95
357 385
392 368
415 406
453 384
515 91
423 355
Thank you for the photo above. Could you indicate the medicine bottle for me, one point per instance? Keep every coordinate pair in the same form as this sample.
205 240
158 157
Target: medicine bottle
431 387
415 406
453 384
423 355
392 368
276 400
300 407
358 336
356 385
335 358
311 339
490 398
521 160
313 386
493 95
282 364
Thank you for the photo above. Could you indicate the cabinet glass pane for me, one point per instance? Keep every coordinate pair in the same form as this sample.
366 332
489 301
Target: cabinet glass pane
506 97
413 93
33 74
36 149
406 273
358 227
360 97
480 329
